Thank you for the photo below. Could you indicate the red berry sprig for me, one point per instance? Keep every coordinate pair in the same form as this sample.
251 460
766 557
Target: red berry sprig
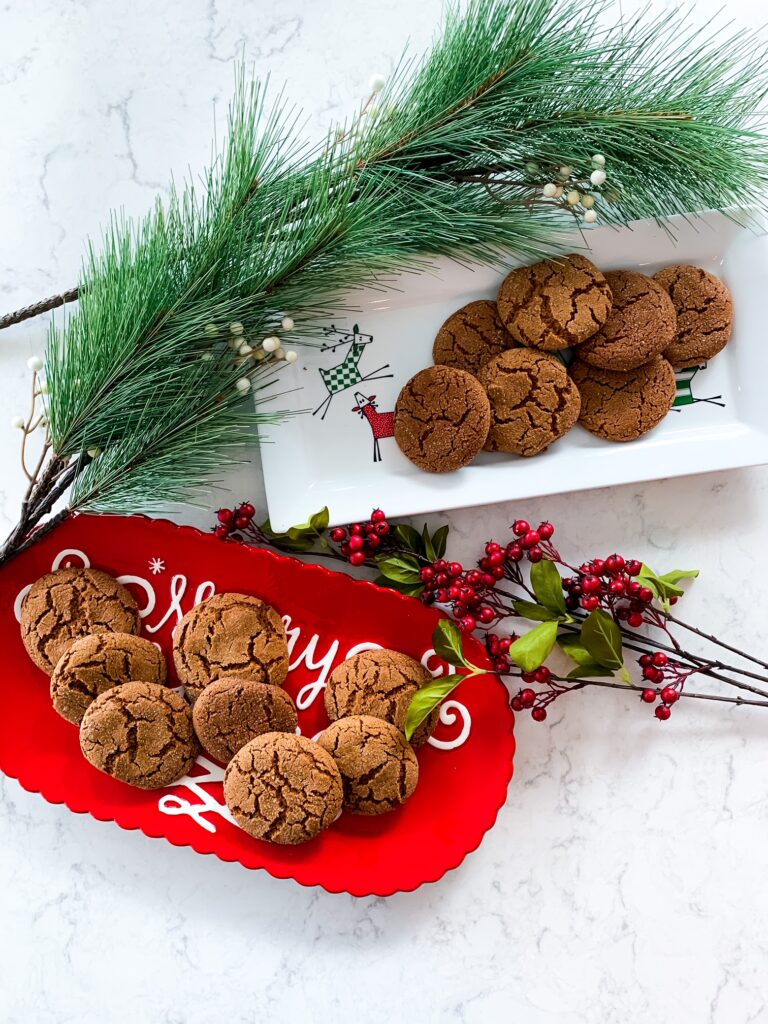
360 541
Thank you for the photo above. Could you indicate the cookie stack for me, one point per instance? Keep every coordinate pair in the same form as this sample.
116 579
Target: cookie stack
501 380
231 656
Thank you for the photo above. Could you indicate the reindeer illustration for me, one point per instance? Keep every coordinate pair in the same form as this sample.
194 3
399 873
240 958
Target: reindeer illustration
382 423
347 373
685 394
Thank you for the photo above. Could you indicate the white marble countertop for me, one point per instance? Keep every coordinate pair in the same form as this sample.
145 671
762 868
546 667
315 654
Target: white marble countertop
625 879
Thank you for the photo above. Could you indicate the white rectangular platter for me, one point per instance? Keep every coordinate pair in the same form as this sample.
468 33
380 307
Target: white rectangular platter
332 456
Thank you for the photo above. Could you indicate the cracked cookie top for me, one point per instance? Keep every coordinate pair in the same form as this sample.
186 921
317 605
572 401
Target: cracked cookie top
641 324
69 603
96 663
471 336
704 314
283 788
141 734
380 683
232 711
379 769
442 418
533 401
554 304
230 635
622 406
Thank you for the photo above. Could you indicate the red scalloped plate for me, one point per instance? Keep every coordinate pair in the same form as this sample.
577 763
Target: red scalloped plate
464 770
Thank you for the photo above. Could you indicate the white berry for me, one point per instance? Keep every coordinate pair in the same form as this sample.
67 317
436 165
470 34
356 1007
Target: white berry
236 328
558 191
207 357
291 357
94 453
588 202
243 385
565 171
244 350
211 330
590 216
35 364
598 160
532 167
280 353
271 344
376 83
550 190
597 177
287 323
18 422
573 197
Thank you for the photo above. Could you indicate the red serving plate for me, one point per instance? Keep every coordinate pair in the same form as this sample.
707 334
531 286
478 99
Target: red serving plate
464 771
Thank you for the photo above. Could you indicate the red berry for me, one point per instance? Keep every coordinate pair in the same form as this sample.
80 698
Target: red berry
589 604
377 516
247 509
497 572
649 672
474 578
492 548
369 528
669 695
357 558
622 614
454 592
530 539
527 697
649 696
372 541
467 623
501 664
673 600
484 564
441 595
497 558
591 585
633 567
427 573
529 677
635 619
543 675
514 552
440 565
535 554
633 587
242 522
645 660
539 714
660 659
455 569
488 580
598 567
662 713
382 529
486 615
338 534
571 603
221 531
546 530
614 563
520 527
504 644
345 548
441 579
617 586
356 528
225 516
646 595
356 542
517 704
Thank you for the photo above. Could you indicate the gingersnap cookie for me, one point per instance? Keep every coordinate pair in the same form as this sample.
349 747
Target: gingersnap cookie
554 304
533 401
380 683
378 767
232 711
141 734
641 324
283 788
230 635
704 314
98 662
442 417
623 405
471 336
69 603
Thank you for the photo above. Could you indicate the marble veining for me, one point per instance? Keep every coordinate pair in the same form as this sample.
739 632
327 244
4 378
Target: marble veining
624 882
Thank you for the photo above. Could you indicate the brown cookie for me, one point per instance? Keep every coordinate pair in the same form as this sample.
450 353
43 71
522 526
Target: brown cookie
704 314
283 788
442 418
622 406
140 733
232 711
379 683
69 603
230 635
471 336
533 401
554 304
98 662
641 324
378 767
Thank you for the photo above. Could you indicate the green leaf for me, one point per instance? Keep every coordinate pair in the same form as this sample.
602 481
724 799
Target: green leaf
679 574
548 586
400 568
408 537
320 520
588 670
440 540
625 676
425 700
602 638
411 589
534 612
665 586
532 649
426 540
449 643
574 648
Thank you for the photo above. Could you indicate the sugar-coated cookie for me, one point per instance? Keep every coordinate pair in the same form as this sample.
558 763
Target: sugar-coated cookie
232 711
471 336
623 405
704 314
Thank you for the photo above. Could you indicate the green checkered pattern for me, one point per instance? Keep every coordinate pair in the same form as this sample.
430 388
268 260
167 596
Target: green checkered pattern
346 374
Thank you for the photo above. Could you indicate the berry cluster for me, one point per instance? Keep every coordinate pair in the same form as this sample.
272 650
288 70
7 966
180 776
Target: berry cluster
361 540
529 542
654 666
230 520
609 583
498 647
527 698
